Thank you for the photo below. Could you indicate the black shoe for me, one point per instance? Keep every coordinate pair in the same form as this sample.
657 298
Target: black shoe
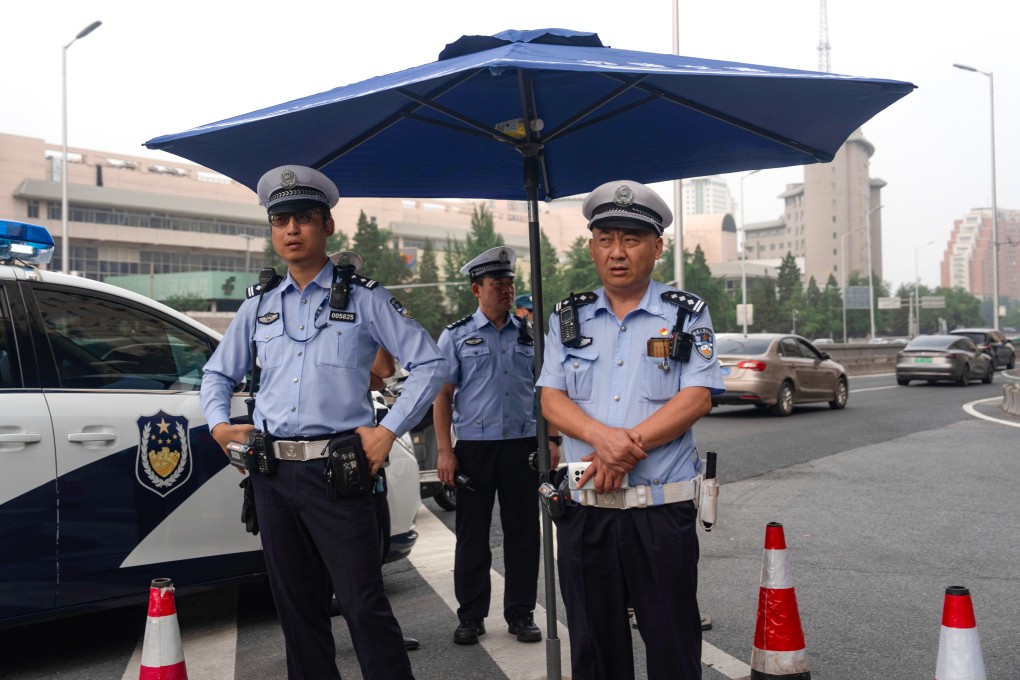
410 644
468 631
706 622
525 629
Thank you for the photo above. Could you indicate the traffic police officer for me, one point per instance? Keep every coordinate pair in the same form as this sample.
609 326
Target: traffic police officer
315 341
628 370
489 398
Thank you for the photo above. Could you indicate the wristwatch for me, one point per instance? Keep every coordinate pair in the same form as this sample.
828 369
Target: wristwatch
556 439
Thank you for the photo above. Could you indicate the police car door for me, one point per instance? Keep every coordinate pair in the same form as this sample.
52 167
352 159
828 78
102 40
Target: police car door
133 453
28 508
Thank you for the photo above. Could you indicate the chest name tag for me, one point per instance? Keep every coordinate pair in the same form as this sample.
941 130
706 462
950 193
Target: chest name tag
473 341
269 318
349 317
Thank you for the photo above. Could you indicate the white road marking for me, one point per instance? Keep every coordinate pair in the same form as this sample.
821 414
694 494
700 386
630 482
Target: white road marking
872 389
433 558
969 408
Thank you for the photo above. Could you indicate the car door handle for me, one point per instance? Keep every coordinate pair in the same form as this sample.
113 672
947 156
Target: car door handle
21 437
91 437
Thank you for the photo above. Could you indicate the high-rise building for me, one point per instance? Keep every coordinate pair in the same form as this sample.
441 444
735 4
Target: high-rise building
706 196
967 261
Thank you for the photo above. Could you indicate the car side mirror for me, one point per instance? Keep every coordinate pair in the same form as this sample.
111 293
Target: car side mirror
825 356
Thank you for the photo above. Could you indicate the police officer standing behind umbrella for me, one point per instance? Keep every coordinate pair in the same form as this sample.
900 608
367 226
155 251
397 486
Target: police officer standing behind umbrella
316 332
628 371
489 400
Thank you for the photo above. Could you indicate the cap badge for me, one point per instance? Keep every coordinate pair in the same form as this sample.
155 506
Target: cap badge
623 196
345 260
288 179
504 258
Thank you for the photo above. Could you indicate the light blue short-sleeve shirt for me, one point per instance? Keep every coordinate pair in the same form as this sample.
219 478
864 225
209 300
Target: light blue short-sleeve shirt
617 383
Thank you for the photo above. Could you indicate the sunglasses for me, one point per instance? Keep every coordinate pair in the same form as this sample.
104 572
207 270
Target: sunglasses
302 217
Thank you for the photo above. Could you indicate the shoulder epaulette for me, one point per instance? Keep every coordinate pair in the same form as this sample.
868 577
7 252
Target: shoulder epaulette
692 303
585 298
267 282
459 322
359 280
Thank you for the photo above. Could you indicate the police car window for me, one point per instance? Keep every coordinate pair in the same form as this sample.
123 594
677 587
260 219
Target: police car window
8 368
100 343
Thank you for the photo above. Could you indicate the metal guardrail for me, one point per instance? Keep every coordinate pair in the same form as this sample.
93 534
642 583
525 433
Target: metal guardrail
1011 391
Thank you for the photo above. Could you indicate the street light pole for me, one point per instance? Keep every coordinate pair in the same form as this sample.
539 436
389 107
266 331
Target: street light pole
917 297
678 218
871 273
995 203
64 241
247 251
743 251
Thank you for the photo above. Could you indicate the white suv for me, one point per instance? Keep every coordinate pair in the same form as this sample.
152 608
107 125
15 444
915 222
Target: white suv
108 474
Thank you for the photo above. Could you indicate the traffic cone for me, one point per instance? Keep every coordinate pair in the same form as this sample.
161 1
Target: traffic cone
162 654
779 650
959 647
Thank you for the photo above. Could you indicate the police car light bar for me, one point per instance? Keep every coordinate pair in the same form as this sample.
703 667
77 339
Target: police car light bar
26 242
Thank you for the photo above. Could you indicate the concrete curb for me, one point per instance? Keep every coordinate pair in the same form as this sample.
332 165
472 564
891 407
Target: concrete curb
1011 392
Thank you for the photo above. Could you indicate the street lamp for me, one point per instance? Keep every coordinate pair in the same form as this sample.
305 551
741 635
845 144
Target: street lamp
743 251
917 299
64 243
871 273
247 251
995 204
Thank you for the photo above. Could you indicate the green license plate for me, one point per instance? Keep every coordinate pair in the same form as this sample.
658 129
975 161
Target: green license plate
922 360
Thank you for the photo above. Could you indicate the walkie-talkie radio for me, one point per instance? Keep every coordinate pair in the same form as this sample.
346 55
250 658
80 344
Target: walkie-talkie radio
569 335
340 292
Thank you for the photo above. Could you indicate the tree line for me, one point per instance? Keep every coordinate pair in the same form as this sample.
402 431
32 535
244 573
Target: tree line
781 305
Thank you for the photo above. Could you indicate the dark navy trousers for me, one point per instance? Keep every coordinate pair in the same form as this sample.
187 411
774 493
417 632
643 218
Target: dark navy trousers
315 547
648 557
497 469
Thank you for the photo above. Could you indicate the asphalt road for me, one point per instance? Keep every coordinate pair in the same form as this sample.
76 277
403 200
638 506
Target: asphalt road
884 504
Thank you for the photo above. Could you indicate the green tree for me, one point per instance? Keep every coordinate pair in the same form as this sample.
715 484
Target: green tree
576 275
187 303
767 316
698 279
481 237
788 285
382 263
426 303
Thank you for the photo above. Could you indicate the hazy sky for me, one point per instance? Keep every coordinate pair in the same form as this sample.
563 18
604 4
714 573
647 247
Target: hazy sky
158 67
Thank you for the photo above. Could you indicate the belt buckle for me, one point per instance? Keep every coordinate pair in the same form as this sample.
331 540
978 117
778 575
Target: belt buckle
291 450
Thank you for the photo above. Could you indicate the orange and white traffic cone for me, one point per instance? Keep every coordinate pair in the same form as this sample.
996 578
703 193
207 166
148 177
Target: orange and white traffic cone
959 647
779 650
162 653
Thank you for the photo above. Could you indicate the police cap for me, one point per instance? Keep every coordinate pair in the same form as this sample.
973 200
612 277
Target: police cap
287 187
626 204
523 300
498 262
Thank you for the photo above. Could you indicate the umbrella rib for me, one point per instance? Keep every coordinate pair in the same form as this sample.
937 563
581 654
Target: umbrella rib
817 154
568 125
490 134
392 120
481 127
609 114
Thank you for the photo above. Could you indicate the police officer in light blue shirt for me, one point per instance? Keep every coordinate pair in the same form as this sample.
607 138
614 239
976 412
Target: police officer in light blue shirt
316 332
489 401
628 370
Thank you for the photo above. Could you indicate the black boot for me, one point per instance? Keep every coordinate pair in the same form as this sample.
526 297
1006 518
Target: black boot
523 626
468 631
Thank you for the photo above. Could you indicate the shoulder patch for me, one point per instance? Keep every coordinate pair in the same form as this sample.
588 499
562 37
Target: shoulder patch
364 282
585 298
459 322
704 342
692 303
400 309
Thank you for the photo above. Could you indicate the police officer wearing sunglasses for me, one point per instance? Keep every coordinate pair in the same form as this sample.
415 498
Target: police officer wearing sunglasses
315 333
629 369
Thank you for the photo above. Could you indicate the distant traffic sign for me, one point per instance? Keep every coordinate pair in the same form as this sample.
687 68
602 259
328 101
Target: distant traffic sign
857 297
889 303
933 302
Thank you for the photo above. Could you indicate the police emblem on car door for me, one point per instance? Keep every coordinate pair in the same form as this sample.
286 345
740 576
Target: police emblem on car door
163 463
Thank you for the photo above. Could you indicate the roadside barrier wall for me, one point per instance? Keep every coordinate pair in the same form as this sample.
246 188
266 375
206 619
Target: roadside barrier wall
1011 391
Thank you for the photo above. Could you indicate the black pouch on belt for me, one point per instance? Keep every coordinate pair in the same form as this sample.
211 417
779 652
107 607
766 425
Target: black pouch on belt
347 470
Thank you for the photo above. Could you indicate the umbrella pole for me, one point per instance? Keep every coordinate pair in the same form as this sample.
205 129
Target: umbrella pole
552 640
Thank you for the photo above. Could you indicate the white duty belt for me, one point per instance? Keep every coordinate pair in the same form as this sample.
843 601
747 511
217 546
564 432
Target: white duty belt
641 496
301 450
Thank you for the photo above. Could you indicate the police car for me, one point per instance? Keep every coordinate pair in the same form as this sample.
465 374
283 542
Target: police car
108 474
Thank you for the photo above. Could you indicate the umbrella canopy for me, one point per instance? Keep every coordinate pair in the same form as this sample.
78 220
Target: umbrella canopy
455 127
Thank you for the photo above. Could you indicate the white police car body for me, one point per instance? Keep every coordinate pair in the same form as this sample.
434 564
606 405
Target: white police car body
108 474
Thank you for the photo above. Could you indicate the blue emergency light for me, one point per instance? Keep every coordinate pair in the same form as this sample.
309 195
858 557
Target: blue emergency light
26 242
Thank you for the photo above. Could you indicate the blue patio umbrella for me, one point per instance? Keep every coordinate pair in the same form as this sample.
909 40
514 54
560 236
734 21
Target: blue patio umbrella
541 114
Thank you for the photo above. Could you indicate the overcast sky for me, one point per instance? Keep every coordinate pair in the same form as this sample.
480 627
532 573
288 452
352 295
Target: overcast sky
159 67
